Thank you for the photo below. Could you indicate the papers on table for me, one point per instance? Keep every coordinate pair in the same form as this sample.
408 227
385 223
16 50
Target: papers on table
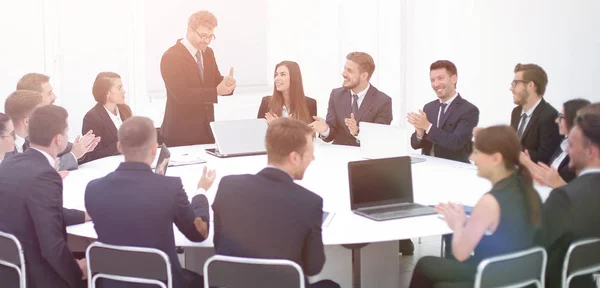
181 159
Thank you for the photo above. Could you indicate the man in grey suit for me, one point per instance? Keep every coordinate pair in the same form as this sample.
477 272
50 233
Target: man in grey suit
571 212
19 105
357 101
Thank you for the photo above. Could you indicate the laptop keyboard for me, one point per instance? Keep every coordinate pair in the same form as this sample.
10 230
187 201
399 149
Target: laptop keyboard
395 208
398 211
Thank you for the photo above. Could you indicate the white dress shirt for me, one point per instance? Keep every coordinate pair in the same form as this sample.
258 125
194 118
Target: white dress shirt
48 157
116 119
284 112
562 155
361 96
19 141
528 112
589 171
188 45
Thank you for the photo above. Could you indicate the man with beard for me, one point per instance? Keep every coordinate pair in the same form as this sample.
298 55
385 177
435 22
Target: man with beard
444 127
534 119
357 101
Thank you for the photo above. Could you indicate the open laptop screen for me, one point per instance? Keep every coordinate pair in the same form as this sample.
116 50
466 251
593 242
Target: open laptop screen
380 181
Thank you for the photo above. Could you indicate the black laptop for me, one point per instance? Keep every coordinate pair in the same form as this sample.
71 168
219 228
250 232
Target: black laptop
381 189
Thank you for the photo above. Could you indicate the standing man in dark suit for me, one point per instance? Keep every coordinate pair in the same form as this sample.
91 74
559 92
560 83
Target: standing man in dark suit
285 221
357 101
31 204
571 212
193 81
133 206
534 119
75 151
444 127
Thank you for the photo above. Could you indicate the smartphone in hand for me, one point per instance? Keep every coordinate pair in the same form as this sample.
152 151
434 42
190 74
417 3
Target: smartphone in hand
164 154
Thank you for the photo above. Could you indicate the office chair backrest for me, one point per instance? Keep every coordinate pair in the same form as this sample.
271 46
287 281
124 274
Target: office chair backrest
237 272
128 264
583 257
517 269
11 255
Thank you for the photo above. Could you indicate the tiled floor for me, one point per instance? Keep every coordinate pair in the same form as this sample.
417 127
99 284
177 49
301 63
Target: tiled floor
429 246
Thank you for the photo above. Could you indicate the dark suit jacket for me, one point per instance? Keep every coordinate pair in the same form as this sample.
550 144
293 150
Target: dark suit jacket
190 100
268 216
133 206
541 137
376 107
67 159
311 104
31 208
570 213
452 139
98 120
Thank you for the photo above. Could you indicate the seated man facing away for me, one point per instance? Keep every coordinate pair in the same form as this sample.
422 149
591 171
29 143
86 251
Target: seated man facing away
269 216
571 212
133 206
31 205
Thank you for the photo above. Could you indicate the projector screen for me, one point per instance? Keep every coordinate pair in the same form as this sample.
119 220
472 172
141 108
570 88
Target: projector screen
241 38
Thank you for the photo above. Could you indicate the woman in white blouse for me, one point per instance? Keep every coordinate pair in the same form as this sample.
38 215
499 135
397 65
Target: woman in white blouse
558 173
107 115
7 136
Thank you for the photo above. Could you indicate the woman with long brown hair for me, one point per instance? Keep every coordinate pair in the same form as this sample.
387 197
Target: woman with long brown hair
288 99
504 220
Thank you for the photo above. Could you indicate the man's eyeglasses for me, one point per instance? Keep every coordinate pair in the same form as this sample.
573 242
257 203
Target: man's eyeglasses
204 37
560 117
12 134
515 82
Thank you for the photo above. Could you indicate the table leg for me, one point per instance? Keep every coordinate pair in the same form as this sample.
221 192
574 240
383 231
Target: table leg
356 268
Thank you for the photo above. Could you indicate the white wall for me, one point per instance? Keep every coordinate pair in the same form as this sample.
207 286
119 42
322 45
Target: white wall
486 39
72 42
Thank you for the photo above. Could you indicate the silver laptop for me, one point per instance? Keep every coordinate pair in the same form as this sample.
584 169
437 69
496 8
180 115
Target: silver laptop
381 189
239 138
384 141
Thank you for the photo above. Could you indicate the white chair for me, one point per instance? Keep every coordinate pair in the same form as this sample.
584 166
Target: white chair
236 272
11 255
518 269
128 264
582 258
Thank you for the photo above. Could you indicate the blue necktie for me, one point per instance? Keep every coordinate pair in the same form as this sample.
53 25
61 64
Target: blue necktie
200 63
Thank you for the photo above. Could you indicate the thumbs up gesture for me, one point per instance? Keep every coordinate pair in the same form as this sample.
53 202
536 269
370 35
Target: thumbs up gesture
227 85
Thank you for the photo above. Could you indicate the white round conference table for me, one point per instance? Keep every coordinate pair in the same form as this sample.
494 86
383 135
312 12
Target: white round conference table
434 180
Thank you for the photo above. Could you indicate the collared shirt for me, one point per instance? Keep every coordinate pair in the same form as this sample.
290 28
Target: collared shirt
589 171
48 157
188 45
562 155
440 111
275 167
528 112
116 119
19 141
361 96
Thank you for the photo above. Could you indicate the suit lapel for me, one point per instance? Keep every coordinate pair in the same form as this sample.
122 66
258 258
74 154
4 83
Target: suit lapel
453 106
366 104
534 118
190 59
107 122
347 103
